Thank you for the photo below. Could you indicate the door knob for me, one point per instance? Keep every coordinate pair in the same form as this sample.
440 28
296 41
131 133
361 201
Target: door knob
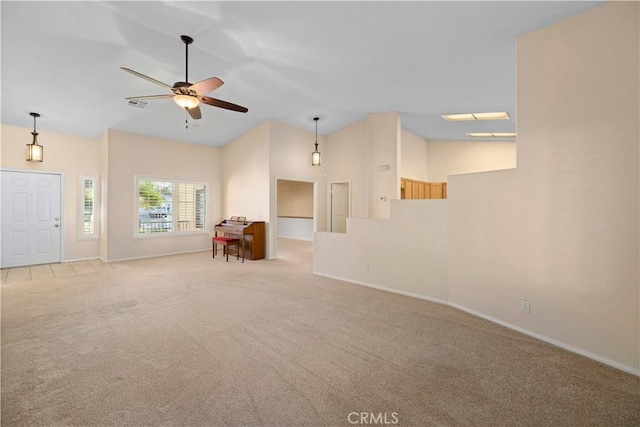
57 225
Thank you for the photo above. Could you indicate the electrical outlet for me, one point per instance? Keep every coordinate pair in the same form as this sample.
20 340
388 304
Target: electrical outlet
524 304
365 268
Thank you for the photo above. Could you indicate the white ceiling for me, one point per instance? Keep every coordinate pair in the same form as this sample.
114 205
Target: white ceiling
288 61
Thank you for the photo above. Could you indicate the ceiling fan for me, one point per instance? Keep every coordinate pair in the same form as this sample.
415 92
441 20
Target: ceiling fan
187 95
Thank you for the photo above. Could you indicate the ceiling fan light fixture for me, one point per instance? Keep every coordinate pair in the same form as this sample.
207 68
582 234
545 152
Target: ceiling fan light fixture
35 151
186 101
188 96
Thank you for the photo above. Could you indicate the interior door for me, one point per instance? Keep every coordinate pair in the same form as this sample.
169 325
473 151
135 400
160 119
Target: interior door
339 206
31 213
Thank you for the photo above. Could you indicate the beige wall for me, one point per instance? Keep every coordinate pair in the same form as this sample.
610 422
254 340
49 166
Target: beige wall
562 229
458 157
72 155
254 162
130 155
246 178
391 254
352 158
434 160
104 191
245 174
414 156
383 137
346 160
356 154
295 199
290 159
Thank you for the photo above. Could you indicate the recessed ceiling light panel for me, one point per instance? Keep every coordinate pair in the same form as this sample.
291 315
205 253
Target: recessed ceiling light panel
499 115
458 117
480 135
492 134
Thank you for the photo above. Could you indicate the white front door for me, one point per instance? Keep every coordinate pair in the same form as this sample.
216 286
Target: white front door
31 218
339 206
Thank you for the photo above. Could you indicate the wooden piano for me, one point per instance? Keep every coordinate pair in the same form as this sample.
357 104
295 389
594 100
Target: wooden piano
252 234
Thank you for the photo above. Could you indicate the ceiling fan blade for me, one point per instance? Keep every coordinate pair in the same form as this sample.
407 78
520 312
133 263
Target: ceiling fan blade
152 80
222 104
150 97
206 86
195 113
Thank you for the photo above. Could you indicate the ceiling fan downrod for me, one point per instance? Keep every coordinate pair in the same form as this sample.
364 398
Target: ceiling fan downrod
187 41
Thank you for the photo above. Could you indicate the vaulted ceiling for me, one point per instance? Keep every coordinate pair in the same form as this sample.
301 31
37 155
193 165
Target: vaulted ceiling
288 61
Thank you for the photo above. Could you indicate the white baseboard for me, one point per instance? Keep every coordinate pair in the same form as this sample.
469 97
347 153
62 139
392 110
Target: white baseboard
565 346
156 256
81 259
303 239
384 288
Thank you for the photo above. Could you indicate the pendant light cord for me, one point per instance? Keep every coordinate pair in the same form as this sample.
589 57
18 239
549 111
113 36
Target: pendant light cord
316 119
35 132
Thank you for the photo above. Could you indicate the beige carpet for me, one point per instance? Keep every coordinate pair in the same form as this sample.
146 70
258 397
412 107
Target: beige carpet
190 341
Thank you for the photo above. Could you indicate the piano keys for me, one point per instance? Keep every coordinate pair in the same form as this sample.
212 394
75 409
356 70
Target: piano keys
252 234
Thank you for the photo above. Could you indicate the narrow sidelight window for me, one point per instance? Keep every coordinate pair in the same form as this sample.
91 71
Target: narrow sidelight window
88 203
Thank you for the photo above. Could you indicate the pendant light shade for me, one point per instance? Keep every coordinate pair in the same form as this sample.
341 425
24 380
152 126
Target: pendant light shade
315 156
35 151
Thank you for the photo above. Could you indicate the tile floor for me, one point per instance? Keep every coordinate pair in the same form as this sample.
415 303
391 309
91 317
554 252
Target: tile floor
51 271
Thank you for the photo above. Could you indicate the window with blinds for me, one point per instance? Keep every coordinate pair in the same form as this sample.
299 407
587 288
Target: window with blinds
191 207
168 207
88 215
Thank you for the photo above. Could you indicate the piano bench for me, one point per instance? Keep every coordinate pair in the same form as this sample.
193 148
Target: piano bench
226 243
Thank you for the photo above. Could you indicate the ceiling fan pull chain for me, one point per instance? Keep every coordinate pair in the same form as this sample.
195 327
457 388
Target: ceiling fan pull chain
186 120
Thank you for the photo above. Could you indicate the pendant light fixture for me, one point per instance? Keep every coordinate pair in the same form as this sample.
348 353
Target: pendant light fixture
35 151
315 156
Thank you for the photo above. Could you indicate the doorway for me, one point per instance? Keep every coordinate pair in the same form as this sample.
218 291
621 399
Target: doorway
31 218
340 206
295 209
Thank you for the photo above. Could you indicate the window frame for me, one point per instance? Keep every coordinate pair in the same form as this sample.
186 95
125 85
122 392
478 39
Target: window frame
96 208
175 231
